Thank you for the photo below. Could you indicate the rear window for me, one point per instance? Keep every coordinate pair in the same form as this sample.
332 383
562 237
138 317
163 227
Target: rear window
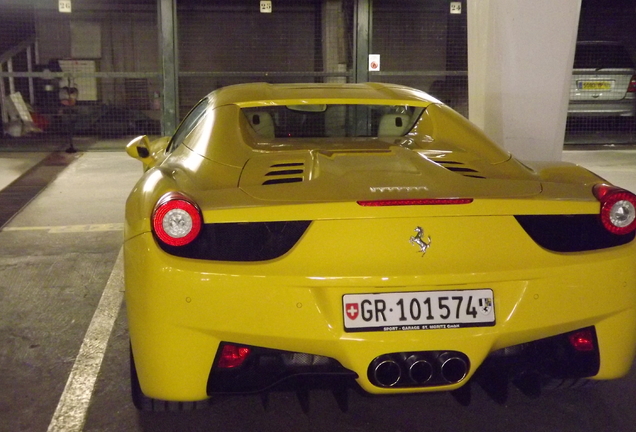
327 121
602 56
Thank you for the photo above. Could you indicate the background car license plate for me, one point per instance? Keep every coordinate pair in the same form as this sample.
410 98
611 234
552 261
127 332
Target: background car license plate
425 310
595 85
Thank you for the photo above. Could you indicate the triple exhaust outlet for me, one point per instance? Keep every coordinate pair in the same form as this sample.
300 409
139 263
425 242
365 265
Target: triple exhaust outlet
420 369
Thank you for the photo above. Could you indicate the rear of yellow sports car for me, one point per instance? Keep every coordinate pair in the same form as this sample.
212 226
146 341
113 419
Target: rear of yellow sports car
406 263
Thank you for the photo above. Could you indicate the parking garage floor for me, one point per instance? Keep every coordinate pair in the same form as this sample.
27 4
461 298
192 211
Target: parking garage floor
64 343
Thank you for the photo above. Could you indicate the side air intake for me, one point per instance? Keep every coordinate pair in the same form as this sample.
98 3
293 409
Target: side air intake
460 168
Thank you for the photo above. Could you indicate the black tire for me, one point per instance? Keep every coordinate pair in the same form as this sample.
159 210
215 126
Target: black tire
144 403
550 384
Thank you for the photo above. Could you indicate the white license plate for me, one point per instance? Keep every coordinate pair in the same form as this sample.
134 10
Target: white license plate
425 310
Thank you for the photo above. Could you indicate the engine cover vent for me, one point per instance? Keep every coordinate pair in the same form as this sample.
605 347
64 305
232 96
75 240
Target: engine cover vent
288 172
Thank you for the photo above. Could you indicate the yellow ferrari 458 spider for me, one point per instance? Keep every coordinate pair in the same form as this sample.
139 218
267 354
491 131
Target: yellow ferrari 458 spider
336 235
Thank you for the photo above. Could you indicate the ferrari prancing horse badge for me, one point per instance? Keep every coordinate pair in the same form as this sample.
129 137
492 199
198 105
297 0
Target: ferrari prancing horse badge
418 240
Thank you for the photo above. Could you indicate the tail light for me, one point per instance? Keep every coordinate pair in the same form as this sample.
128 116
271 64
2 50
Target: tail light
232 356
618 208
409 202
582 340
632 85
176 220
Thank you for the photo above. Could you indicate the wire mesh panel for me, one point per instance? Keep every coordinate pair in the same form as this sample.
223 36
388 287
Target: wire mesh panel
90 72
602 106
223 43
63 69
602 93
423 44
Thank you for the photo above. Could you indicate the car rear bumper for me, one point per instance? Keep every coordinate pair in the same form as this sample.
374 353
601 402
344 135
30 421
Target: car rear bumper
180 310
622 108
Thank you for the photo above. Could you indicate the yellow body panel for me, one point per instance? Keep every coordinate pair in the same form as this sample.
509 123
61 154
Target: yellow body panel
180 309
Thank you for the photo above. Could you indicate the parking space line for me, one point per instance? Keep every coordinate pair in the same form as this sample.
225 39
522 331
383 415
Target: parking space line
70 228
72 408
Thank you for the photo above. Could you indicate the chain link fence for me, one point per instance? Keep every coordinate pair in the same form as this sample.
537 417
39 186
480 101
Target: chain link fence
89 73
423 44
96 72
603 87
225 43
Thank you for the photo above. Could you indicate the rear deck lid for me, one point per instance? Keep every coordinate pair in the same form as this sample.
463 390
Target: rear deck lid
393 172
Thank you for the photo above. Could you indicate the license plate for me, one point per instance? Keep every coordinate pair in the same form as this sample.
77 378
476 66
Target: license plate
594 85
425 310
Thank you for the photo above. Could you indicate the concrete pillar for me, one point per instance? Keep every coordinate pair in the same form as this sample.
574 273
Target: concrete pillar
520 56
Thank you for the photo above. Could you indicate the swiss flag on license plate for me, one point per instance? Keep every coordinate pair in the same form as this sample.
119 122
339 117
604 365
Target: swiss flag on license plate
352 310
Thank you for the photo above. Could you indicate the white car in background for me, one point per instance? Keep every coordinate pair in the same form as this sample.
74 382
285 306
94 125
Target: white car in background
603 81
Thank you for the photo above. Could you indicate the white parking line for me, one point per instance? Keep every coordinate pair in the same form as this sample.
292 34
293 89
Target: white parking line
71 228
71 411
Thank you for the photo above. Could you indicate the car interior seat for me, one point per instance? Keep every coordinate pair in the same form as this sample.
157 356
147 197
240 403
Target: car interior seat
262 123
393 125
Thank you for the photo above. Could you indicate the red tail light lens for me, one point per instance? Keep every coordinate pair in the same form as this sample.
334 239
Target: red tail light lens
618 208
176 220
409 202
232 356
632 85
582 340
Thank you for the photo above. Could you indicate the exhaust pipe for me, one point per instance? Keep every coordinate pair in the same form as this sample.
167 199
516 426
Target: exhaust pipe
385 371
424 368
453 368
420 370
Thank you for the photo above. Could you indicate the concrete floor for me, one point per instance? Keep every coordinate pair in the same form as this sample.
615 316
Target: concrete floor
616 166
58 260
